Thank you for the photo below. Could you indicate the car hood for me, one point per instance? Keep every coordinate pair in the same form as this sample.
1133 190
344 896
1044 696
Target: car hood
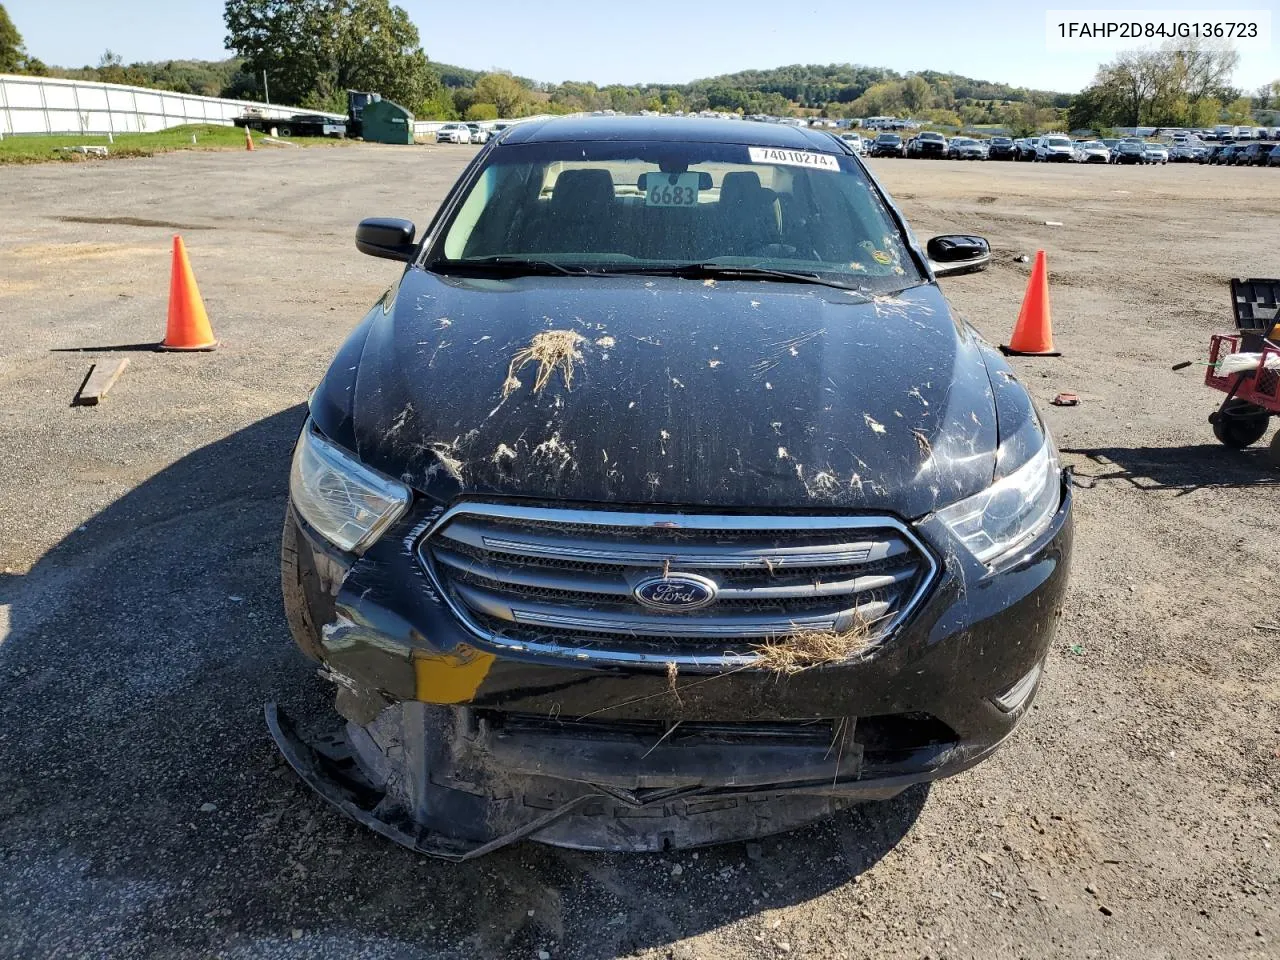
672 391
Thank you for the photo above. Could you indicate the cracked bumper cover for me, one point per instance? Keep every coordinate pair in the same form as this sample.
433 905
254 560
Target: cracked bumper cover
452 748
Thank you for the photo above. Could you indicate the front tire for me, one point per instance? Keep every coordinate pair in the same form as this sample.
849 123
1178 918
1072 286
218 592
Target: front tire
296 611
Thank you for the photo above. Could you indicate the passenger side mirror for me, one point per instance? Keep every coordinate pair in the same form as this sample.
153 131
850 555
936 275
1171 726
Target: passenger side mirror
954 254
386 237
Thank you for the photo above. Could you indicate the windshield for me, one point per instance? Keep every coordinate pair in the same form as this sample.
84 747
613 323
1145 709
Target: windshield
1057 141
617 207
1093 145
888 138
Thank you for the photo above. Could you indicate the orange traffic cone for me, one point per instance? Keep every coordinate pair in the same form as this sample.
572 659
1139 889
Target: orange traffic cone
188 327
248 140
1033 333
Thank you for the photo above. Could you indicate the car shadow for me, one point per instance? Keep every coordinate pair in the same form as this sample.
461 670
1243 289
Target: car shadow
143 808
1182 469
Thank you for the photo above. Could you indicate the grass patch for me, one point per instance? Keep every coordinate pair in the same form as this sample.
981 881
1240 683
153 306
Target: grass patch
811 648
39 148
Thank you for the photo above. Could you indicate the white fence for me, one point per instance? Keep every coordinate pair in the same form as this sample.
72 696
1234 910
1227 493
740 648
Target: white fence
47 105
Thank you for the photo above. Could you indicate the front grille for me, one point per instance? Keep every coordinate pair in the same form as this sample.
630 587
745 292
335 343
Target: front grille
564 580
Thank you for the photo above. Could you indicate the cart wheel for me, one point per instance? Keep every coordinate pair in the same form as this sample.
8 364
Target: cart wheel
1274 450
1240 424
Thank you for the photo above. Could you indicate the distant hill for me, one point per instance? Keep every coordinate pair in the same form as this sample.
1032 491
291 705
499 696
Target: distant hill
814 86
208 78
455 77
838 90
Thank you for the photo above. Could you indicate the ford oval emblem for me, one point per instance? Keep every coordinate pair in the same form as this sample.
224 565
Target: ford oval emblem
676 592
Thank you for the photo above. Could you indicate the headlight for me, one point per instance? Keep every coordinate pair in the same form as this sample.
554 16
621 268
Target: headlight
346 502
1011 512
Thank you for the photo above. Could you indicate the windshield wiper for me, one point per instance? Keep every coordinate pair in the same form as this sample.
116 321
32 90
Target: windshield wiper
506 266
724 271
512 266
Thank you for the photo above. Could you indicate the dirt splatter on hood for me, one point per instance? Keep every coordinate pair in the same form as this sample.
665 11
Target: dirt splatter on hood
679 393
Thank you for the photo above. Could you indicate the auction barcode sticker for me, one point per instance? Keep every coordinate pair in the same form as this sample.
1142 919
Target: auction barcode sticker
794 158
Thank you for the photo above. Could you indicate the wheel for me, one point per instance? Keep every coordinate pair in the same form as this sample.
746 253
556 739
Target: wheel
1274 450
286 132
1240 424
296 612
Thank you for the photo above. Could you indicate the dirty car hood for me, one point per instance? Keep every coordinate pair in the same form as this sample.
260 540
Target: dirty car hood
727 395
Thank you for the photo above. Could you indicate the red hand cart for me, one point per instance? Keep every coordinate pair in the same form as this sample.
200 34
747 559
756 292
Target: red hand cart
1252 393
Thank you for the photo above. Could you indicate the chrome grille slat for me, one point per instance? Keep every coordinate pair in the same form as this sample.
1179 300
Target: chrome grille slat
761 555
615 618
561 580
618 585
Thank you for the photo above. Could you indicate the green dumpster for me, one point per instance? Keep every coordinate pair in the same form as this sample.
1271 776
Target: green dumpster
387 122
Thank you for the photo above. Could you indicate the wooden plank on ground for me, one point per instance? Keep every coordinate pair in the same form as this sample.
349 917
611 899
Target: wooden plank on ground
102 377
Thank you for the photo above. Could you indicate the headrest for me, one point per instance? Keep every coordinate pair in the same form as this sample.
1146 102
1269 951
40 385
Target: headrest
582 190
737 186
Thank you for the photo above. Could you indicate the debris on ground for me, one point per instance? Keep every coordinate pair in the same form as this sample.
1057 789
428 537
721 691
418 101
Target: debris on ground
1066 400
100 379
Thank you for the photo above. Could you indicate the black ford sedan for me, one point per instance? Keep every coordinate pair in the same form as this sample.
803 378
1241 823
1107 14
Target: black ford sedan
664 500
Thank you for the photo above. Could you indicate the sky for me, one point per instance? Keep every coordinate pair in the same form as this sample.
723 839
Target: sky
607 41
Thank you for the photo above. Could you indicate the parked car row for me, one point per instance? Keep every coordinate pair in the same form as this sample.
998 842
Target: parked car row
1256 154
1059 147
468 132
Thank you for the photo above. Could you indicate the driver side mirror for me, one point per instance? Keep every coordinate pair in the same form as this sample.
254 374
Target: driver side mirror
954 254
386 237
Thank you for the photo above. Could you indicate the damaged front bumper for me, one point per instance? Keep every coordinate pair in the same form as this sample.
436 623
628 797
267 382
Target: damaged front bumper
454 747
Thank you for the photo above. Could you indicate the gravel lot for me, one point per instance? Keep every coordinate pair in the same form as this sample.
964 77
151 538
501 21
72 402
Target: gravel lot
143 811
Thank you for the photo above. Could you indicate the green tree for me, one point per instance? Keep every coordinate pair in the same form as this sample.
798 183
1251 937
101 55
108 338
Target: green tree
1240 110
482 111
505 92
915 93
13 58
463 98
1165 87
439 106
314 50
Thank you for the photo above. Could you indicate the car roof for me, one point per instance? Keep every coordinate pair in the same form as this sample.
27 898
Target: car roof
671 129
